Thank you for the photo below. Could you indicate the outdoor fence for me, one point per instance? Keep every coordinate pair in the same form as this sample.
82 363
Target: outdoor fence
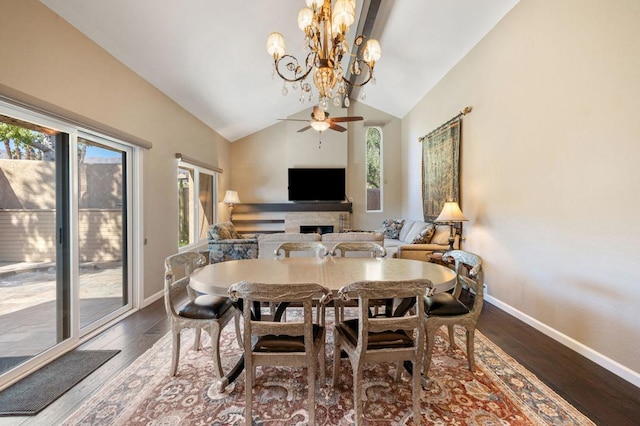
30 235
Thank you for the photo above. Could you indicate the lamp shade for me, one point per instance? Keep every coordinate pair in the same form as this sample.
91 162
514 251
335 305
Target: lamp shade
315 4
275 45
343 14
231 197
451 213
305 18
372 52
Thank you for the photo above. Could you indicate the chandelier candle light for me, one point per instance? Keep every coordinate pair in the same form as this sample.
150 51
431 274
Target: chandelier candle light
325 39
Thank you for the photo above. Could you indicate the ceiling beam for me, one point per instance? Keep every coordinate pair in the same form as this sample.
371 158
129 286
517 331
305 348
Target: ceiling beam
368 17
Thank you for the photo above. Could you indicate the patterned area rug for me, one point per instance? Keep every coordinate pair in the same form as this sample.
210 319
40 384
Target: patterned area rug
500 392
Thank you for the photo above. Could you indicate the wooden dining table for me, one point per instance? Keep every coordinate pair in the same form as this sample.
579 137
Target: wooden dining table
331 272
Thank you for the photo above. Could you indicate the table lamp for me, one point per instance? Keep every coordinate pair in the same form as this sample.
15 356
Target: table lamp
451 214
231 198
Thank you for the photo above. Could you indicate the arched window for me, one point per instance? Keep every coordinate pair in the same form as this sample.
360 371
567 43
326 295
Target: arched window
373 169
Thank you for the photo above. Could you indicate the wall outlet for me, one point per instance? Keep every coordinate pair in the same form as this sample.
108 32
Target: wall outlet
485 288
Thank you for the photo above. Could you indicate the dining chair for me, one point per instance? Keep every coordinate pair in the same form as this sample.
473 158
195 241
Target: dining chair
296 342
342 248
374 250
303 248
287 248
448 308
187 309
381 339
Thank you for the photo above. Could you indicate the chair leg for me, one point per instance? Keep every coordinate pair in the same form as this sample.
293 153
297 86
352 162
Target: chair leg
236 319
214 332
196 341
470 347
248 392
417 415
452 341
322 363
311 383
175 353
336 360
431 340
357 393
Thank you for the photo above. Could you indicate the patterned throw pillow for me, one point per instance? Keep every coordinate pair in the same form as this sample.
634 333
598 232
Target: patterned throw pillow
223 231
424 237
391 228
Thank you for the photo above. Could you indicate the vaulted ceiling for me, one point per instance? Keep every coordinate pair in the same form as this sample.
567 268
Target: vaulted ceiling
209 56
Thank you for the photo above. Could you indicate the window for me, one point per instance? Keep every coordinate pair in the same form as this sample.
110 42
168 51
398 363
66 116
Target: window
374 169
196 203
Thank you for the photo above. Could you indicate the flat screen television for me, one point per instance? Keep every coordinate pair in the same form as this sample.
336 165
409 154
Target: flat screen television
319 184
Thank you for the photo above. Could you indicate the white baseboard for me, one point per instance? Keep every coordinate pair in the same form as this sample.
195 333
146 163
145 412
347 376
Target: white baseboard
149 300
616 368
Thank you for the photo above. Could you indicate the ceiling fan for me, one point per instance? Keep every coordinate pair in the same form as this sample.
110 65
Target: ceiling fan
320 121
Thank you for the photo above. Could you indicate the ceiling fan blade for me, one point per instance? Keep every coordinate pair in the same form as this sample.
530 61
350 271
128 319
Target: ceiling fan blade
292 119
305 128
318 114
343 119
336 127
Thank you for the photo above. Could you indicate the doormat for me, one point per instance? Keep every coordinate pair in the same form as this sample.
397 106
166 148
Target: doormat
33 393
8 362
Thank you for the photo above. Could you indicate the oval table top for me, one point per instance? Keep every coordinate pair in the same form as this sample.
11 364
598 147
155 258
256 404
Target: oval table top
331 272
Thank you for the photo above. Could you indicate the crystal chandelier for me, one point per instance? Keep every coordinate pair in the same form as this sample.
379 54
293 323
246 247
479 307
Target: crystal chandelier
325 39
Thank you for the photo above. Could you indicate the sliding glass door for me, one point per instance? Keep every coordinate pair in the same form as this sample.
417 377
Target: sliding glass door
102 230
65 236
34 303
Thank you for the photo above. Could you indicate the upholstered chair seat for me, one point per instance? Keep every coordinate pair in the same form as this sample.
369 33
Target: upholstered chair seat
284 343
381 340
444 304
206 307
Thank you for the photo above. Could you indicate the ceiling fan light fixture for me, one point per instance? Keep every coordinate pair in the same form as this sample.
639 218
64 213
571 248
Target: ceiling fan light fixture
320 126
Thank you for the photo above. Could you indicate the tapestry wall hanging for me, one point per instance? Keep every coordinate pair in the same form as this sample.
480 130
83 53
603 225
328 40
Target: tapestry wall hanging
440 166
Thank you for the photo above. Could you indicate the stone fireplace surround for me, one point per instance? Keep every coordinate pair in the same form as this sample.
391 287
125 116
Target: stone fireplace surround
323 221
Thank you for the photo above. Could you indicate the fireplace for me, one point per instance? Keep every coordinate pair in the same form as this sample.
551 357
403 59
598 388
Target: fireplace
319 229
315 221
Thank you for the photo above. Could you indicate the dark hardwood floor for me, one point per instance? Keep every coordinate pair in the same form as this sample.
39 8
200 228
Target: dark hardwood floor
603 397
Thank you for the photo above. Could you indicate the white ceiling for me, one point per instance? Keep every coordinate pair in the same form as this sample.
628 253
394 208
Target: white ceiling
210 56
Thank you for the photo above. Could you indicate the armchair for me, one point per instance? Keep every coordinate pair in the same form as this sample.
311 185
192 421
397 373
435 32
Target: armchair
226 244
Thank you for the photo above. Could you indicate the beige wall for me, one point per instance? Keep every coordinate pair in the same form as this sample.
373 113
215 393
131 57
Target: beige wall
550 167
47 61
260 161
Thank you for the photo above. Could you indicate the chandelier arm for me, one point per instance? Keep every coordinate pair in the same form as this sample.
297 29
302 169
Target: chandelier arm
369 76
297 63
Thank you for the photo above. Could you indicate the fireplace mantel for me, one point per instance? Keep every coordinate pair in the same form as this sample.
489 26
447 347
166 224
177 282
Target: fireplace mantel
288 217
